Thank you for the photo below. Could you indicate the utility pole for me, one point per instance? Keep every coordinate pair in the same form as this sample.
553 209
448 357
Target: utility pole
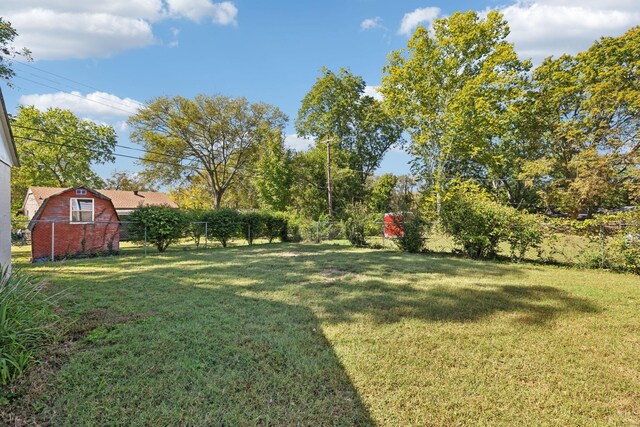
329 200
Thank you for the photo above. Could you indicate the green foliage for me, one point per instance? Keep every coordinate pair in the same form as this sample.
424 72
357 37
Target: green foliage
251 225
162 225
8 51
275 226
450 89
26 315
356 126
355 225
220 138
615 241
413 227
479 224
275 174
196 228
522 232
382 194
223 224
58 149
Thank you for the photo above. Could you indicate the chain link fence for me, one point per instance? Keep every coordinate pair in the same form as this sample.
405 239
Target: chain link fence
604 246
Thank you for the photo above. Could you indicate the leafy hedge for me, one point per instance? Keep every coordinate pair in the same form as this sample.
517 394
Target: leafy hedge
615 241
158 225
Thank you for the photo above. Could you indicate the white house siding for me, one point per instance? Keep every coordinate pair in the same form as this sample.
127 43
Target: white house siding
5 213
8 158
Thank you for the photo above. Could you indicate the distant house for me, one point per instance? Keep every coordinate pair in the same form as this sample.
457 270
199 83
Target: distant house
8 159
75 222
124 202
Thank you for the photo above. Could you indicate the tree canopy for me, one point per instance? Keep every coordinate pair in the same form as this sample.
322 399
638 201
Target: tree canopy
8 51
213 137
451 88
58 149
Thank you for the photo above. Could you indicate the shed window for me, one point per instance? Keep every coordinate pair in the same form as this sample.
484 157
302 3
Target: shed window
81 192
81 210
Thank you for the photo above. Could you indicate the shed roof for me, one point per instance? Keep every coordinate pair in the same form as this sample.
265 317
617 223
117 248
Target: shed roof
120 199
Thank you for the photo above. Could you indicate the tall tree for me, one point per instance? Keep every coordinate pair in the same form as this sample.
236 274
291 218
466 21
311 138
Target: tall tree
127 181
214 137
8 51
451 88
337 111
382 193
591 109
58 149
274 174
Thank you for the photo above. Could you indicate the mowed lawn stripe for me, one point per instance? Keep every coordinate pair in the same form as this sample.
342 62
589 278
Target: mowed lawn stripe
293 334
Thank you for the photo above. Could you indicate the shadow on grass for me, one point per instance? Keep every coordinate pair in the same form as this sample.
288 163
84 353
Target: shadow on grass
204 357
236 334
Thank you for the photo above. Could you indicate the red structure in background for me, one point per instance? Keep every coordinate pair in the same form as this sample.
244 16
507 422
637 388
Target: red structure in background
76 222
393 225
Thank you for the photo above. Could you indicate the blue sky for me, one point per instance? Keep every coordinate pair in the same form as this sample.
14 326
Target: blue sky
108 57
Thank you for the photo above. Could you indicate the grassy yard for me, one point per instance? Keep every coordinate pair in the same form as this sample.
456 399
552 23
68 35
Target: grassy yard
288 334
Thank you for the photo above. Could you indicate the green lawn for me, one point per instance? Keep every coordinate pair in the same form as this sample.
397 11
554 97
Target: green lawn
296 334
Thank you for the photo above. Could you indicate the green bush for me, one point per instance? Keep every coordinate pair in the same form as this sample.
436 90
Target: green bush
251 225
223 224
26 319
480 224
522 231
413 229
196 228
473 220
275 226
163 225
354 225
615 241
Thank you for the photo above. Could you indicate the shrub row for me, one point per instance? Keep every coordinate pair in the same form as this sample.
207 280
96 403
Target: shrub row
163 226
479 224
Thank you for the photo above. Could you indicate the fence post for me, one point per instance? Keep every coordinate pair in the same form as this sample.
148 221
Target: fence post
602 237
53 232
206 234
145 240
249 233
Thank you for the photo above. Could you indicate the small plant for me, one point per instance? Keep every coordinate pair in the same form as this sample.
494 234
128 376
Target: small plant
412 237
26 315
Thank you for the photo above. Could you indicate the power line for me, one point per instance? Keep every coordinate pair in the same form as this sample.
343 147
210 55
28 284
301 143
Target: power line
68 79
130 112
49 132
114 154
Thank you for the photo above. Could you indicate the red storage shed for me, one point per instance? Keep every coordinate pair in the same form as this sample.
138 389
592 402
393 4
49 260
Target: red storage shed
393 225
75 222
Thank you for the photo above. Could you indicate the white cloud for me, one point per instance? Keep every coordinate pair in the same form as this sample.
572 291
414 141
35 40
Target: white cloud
62 29
420 16
224 13
96 106
298 143
371 23
542 28
373 91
